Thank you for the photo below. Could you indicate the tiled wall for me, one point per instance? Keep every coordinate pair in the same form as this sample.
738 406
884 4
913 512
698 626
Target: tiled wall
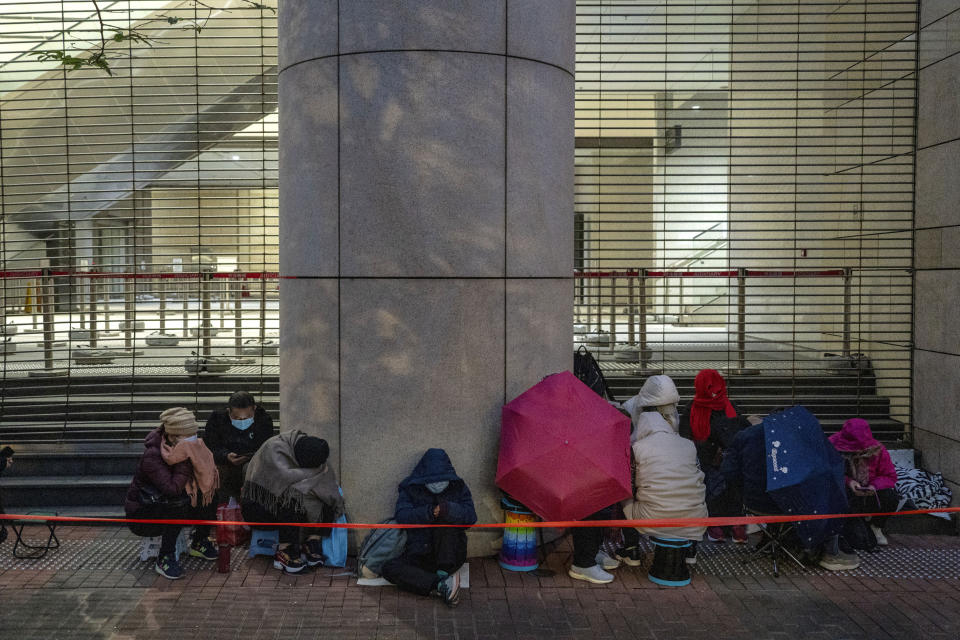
937 249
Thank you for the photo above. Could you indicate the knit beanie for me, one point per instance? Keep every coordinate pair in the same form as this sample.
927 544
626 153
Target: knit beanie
178 421
311 452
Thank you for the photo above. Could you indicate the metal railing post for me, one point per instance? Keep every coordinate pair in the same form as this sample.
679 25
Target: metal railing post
263 309
742 318
847 311
186 310
643 316
598 299
206 328
93 312
82 305
613 310
222 293
46 309
680 297
631 311
162 292
36 302
238 314
128 301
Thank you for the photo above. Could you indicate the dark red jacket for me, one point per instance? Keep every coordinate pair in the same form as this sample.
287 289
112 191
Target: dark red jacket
152 470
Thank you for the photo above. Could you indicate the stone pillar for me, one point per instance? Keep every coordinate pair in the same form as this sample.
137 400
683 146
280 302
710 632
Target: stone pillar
426 215
936 356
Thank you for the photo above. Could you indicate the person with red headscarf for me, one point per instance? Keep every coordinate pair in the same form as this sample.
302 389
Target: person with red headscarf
712 421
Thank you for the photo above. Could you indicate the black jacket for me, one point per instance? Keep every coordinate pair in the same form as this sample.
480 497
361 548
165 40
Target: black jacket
722 432
222 437
723 499
415 503
745 467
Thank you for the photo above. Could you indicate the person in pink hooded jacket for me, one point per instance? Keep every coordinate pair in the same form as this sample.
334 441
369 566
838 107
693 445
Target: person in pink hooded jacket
870 475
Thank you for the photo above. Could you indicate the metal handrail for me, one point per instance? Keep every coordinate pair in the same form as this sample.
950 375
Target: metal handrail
638 279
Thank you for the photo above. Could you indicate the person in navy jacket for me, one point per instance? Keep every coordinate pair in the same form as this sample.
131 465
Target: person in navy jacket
432 494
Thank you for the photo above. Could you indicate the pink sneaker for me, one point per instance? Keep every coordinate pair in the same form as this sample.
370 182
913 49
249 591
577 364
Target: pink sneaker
740 534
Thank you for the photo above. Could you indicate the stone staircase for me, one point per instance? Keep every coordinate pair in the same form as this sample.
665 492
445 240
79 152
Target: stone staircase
79 457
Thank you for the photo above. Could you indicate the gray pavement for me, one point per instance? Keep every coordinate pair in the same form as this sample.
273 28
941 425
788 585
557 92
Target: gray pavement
96 587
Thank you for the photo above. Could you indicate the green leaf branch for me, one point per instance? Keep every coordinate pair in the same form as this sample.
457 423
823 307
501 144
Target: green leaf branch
99 54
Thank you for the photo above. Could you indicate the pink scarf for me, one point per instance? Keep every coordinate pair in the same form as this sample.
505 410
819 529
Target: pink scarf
206 479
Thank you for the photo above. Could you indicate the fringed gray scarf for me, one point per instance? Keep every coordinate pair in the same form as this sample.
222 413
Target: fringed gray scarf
274 480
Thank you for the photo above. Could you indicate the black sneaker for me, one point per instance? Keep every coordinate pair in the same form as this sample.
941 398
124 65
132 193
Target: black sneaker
449 589
168 567
286 561
313 552
690 554
631 556
203 549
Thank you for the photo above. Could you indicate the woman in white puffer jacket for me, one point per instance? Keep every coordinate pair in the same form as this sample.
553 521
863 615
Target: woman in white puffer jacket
668 482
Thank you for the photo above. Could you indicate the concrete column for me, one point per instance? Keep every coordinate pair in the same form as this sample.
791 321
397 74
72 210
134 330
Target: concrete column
426 210
936 356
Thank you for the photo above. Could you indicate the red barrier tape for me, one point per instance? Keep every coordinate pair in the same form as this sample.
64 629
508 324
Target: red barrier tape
606 274
559 524
270 275
749 273
794 274
192 275
692 274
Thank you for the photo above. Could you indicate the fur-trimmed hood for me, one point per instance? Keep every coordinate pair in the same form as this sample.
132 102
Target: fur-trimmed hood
856 439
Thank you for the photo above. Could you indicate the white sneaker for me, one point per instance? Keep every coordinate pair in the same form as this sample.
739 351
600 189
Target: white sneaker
606 561
593 574
840 562
878 533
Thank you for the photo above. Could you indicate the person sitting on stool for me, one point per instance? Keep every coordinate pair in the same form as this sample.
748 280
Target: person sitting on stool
432 494
745 467
176 479
668 482
233 435
289 480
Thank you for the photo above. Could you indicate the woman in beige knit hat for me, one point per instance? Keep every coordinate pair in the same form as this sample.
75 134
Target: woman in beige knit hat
176 479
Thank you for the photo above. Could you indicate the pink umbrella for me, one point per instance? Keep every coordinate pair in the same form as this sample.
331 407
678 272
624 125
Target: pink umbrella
564 451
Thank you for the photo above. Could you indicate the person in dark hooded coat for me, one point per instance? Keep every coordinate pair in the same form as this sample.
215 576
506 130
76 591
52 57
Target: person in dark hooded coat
432 494
746 464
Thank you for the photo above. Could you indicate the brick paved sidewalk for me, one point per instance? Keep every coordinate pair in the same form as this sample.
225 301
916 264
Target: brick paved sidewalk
97 588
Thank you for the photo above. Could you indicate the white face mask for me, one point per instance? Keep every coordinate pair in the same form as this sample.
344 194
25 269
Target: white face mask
437 487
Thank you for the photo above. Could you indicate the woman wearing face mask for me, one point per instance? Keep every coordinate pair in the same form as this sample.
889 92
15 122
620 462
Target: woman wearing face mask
176 479
233 435
432 494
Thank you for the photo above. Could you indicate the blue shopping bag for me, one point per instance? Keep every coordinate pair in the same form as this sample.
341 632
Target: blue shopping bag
335 545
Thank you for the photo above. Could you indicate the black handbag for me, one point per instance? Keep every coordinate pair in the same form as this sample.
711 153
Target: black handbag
150 496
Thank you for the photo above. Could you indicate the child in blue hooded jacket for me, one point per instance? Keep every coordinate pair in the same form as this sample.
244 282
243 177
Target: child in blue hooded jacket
432 494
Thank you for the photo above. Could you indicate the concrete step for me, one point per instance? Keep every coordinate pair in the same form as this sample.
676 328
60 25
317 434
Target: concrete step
111 460
165 385
44 491
134 408
923 524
